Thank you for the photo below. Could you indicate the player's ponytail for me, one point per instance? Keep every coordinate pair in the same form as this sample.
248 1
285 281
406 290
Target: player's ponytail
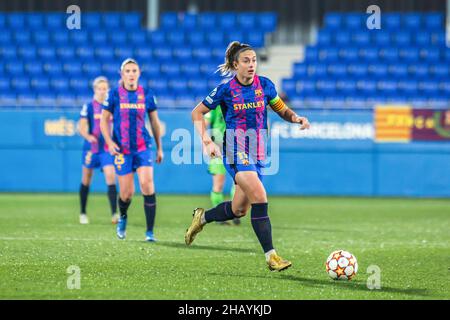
231 55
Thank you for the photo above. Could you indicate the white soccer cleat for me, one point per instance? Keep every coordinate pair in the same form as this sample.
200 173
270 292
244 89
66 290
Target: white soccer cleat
84 219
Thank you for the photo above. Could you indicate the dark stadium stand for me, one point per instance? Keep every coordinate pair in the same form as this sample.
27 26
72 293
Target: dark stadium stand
45 64
405 62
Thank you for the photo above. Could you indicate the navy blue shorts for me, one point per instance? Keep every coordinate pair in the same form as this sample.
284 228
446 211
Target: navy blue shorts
128 163
237 166
96 160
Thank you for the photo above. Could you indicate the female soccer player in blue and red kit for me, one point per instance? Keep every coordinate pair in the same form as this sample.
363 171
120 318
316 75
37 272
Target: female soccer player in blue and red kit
131 143
95 151
244 101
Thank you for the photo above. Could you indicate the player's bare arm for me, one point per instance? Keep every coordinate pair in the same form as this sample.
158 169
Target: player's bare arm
84 131
104 127
156 131
289 115
200 125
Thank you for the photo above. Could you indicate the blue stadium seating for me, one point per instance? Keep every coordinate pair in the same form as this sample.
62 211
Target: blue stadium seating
404 62
56 65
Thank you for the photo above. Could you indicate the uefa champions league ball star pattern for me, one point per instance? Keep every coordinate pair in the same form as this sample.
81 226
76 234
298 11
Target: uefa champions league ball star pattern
341 265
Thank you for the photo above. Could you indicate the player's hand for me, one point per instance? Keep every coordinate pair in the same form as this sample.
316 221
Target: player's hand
159 156
212 150
91 139
113 149
304 123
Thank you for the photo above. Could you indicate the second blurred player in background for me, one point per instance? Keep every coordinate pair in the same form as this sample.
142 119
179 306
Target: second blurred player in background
214 119
95 150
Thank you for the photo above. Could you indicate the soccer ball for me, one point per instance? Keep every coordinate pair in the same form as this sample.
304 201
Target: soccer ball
341 265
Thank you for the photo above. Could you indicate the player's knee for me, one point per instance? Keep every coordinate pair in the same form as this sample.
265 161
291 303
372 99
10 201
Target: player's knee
147 186
126 194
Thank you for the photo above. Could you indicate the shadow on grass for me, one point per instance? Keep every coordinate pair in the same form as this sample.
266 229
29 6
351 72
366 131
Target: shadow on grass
354 285
300 228
182 245
347 285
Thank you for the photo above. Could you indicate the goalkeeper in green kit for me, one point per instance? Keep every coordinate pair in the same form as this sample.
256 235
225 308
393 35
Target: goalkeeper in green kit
214 119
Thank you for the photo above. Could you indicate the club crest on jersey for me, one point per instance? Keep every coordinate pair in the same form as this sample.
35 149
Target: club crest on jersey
258 93
140 96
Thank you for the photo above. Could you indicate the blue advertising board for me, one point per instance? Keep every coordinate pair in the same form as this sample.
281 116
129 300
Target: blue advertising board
41 152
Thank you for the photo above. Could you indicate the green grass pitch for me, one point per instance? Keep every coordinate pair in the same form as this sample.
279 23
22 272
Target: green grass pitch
408 239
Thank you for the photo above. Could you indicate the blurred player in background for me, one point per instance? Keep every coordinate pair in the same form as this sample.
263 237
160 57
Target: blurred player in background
131 143
95 151
243 100
215 121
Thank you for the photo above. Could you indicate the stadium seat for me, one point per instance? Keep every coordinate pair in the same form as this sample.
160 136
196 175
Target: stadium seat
324 38
256 40
398 70
143 54
391 21
21 84
150 68
333 21
40 83
337 71
14 68
78 37
73 68
157 38
349 54
4 84
170 70
357 70
361 38
41 38
175 38
99 38
418 71
92 21
196 38
55 21
412 21
8 53
267 21
5 38
388 55
163 53
227 21
22 37
402 38
169 20
215 38
434 21
122 53
381 38
354 21
34 68
131 20
59 83
207 21
15 21
187 21
85 52
318 70
246 21
34 21
118 38
182 54
53 68
190 68
138 38
111 20
92 69
60 37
